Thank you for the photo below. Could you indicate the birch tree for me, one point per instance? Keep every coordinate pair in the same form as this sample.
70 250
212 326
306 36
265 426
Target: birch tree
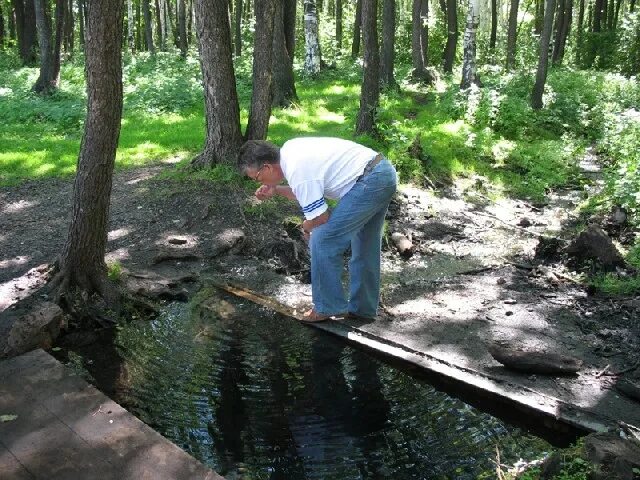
312 58
469 70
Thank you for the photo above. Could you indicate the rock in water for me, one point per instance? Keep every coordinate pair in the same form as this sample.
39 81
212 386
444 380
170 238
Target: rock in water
545 363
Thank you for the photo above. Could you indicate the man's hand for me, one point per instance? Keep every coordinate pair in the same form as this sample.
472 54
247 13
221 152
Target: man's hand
265 192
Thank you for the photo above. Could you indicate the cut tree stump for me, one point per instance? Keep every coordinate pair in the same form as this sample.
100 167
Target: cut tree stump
544 363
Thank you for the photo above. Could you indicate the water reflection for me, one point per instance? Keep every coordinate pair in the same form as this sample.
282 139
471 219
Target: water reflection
258 396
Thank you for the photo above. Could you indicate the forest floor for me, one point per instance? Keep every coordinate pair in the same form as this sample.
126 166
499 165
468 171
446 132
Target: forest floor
473 280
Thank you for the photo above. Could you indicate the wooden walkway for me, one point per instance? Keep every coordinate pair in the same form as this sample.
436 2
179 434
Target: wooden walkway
55 426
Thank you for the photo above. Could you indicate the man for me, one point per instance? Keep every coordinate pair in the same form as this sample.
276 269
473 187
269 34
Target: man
363 180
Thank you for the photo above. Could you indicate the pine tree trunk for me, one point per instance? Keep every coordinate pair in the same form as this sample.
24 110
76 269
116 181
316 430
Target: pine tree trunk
69 27
130 29
260 110
238 29
57 42
494 24
339 25
565 28
452 35
357 34
290 14
543 61
388 43
560 12
140 46
82 262
512 34
611 15
312 58
46 81
182 27
579 32
160 17
12 26
469 70
2 33
597 16
26 30
539 20
148 26
170 33
419 37
81 21
284 88
370 93
223 137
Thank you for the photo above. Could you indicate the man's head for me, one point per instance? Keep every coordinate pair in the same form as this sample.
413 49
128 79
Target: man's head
260 160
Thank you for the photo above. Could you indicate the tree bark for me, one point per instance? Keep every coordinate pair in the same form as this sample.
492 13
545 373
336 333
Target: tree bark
611 15
130 29
616 14
543 61
579 32
469 70
452 35
357 34
370 94
160 17
261 96
419 39
539 20
238 29
283 83
290 14
312 58
81 20
2 33
388 43
82 262
46 81
26 30
512 34
494 24
182 28
339 25
223 136
148 26
597 16
69 27
57 42
12 25
563 29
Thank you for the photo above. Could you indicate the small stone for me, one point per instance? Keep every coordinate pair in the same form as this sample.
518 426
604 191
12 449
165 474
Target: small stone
508 313
510 301
501 281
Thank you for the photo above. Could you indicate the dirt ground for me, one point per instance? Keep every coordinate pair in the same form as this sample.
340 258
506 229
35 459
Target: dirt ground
472 281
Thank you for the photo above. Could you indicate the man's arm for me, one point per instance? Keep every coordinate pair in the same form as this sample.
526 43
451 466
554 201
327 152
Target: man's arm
285 191
309 225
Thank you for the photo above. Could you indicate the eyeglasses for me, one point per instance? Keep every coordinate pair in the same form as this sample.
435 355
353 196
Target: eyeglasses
257 177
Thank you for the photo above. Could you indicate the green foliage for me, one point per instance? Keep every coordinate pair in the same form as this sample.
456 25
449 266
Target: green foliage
114 271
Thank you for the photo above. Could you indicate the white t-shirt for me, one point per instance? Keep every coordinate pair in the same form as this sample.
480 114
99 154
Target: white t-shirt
322 167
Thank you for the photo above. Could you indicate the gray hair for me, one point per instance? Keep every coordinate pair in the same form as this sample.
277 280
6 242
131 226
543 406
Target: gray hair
255 153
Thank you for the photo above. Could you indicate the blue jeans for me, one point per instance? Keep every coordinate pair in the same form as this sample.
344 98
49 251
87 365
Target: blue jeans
357 221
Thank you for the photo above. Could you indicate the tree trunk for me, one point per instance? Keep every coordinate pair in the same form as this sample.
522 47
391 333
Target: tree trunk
170 33
616 14
260 110
579 32
223 137
284 88
388 43
2 33
419 39
312 58
539 20
12 25
370 94
182 27
46 81
543 62
81 20
130 30
494 24
290 9
82 262
190 21
452 35
160 17
57 43
512 34
557 25
148 26
469 70
238 28
139 42
611 15
69 27
597 16
564 29
26 30
605 15
339 25
357 34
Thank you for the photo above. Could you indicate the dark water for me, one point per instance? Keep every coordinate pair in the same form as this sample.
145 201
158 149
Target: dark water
259 396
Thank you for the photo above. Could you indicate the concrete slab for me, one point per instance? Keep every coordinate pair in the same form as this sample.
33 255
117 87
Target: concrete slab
66 429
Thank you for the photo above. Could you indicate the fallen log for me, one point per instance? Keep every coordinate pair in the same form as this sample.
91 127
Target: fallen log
545 363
